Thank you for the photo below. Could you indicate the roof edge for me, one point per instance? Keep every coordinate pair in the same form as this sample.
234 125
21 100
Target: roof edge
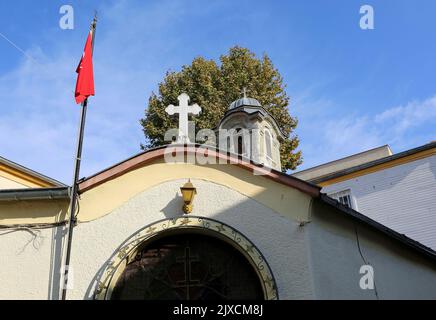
373 163
31 172
150 155
340 159
261 108
413 244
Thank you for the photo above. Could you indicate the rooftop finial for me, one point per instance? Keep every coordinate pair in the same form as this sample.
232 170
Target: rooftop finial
94 21
244 92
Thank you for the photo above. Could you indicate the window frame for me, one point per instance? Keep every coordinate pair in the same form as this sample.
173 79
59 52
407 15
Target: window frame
269 157
337 194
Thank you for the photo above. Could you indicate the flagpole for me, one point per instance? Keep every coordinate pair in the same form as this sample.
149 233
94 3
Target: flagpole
75 185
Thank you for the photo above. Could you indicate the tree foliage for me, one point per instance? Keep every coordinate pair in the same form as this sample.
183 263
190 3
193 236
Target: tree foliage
214 87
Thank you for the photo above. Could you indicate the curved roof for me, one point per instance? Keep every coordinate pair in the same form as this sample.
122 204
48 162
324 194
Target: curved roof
251 106
252 110
148 156
245 101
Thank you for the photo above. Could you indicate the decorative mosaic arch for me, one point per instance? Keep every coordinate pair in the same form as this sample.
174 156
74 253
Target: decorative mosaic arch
206 226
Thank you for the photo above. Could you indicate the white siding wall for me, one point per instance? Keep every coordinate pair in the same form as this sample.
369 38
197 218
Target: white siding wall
402 198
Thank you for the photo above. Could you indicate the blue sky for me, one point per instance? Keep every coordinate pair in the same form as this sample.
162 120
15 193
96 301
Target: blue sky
351 89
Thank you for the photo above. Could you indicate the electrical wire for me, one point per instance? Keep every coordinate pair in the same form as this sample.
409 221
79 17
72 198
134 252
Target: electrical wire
364 260
34 226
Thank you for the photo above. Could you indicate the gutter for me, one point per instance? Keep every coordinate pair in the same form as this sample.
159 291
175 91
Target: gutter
59 193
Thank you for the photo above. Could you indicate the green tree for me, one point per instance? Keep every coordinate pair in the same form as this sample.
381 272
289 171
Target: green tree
214 87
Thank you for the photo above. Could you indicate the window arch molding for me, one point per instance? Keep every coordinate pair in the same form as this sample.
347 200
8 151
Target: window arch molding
191 224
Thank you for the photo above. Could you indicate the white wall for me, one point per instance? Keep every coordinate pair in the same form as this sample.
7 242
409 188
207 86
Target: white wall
318 260
29 263
280 240
30 267
402 198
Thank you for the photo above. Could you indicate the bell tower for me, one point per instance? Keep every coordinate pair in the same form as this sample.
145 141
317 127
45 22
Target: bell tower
249 131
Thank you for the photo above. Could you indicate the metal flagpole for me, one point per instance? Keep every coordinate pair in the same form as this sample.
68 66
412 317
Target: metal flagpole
74 188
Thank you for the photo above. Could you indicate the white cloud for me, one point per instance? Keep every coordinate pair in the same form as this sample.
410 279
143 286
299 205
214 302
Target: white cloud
39 120
411 115
329 135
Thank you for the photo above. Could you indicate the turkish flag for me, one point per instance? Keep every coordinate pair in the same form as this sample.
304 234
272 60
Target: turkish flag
85 73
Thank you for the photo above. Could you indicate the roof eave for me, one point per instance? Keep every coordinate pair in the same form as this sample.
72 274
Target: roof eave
148 156
31 172
372 163
380 227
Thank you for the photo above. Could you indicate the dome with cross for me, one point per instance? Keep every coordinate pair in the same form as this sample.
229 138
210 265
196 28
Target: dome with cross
244 101
248 130
248 102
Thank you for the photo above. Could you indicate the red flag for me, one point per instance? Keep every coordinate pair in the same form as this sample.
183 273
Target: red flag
85 73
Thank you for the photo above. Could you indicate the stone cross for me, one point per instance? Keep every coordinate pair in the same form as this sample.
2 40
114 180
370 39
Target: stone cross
183 109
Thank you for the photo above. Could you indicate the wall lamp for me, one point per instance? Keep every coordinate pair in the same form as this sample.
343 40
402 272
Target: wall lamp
188 193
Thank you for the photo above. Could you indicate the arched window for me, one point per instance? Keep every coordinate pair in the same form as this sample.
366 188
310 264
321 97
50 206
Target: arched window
240 145
207 260
188 267
268 144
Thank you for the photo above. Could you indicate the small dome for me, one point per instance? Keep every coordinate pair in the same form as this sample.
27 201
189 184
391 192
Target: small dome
250 102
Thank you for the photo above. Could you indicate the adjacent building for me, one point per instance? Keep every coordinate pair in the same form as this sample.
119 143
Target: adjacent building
396 190
15 176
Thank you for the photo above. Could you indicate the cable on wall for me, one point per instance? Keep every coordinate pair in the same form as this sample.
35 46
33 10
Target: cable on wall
363 258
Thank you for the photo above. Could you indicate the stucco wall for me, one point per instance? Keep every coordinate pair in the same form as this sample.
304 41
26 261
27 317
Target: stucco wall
29 259
335 260
265 211
104 198
278 238
33 262
318 260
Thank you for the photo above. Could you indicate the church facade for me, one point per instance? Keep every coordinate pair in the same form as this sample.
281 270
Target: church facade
194 222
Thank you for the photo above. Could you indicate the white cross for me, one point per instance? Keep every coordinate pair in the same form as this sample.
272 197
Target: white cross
183 109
